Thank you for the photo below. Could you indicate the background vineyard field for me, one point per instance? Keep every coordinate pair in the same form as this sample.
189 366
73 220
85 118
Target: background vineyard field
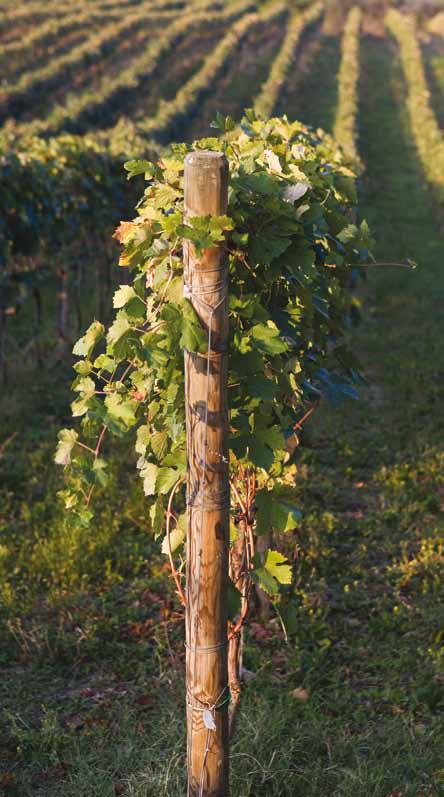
348 696
87 85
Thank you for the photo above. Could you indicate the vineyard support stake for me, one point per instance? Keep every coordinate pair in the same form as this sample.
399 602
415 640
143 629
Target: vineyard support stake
208 489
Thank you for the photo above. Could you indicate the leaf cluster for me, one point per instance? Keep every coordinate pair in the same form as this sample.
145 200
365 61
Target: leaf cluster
291 248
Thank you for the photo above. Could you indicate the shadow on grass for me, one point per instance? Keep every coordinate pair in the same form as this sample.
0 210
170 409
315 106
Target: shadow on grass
311 91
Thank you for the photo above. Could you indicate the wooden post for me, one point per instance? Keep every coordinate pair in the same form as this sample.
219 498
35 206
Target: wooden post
208 490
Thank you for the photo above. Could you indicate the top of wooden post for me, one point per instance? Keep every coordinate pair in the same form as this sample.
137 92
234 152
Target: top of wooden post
206 183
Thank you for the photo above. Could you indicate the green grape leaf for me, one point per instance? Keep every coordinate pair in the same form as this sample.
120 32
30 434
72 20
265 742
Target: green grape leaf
266 339
135 308
260 454
85 345
118 328
348 234
83 367
266 581
165 196
99 468
263 388
84 385
105 363
159 444
272 436
135 167
277 565
193 337
175 290
80 406
157 517
223 123
69 498
166 479
275 571
121 408
177 458
84 516
275 512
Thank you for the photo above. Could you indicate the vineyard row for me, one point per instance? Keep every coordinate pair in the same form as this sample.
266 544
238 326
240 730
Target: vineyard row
268 97
73 183
33 12
49 32
427 134
188 96
344 129
14 96
87 103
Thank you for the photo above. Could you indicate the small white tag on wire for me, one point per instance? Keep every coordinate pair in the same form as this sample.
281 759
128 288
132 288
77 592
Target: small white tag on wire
208 719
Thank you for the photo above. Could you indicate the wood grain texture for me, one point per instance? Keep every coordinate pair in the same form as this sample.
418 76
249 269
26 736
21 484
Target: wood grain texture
206 277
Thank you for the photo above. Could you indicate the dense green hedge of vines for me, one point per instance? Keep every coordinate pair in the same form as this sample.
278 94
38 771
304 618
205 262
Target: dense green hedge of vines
53 193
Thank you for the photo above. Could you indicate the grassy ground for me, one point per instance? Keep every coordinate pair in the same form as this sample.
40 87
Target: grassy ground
91 655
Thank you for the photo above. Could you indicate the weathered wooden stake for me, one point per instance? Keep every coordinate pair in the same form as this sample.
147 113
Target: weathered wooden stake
208 490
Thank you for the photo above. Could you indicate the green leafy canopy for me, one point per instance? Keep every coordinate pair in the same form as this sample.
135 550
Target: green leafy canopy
291 247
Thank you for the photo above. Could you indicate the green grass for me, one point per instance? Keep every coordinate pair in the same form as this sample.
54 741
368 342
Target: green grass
311 94
92 643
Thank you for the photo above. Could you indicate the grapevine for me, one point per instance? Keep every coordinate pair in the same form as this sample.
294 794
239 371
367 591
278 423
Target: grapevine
291 248
345 121
188 95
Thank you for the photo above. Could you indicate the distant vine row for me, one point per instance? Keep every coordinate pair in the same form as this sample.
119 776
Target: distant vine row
88 102
54 70
36 14
346 113
269 94
427 134
44 34
41 8
187 96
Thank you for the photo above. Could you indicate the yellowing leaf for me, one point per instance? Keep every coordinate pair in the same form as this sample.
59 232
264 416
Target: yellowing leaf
123 295
143 438
177 536
85 345
149 475
277 566
67 441
272 160
125 231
